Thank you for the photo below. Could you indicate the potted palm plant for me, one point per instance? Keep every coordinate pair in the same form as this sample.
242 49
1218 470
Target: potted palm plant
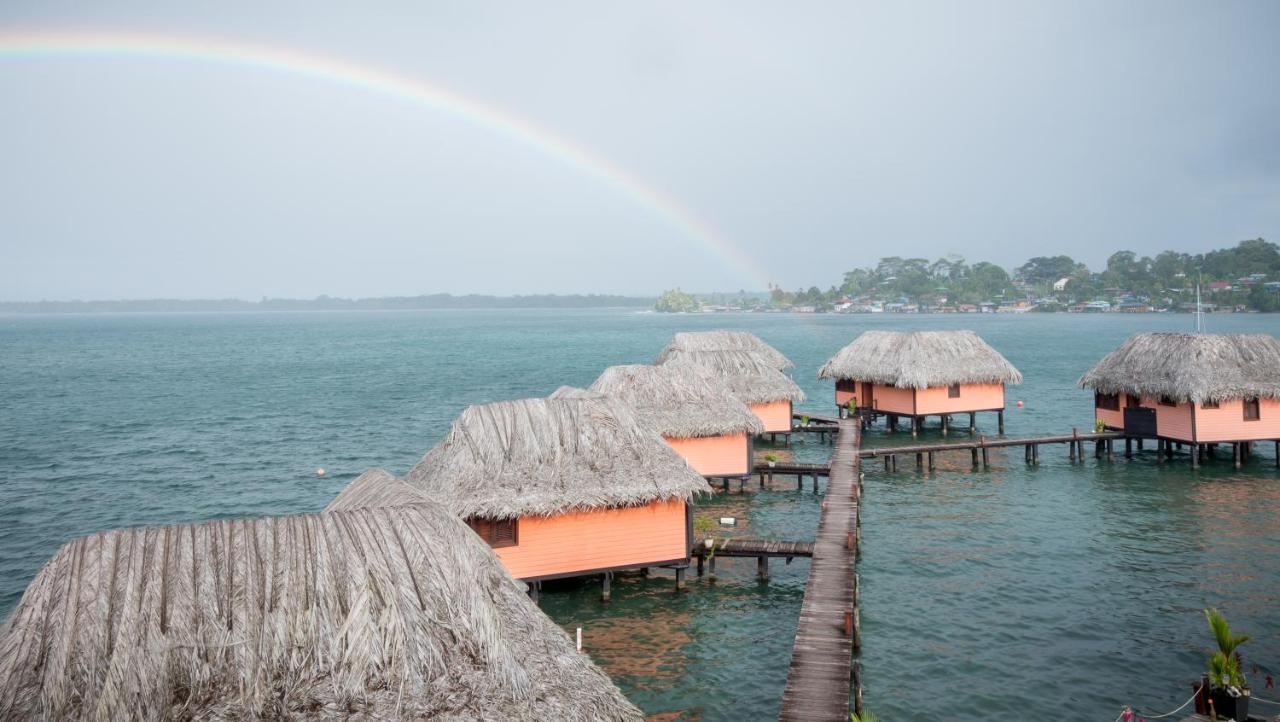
804 420
1228 690
771 460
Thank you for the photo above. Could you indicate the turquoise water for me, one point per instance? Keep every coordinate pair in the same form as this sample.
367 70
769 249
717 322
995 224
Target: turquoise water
1064 590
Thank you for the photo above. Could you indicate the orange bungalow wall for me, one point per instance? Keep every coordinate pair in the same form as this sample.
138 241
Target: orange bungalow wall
1225 423
973 397
775 415
728 455
928 401
586 541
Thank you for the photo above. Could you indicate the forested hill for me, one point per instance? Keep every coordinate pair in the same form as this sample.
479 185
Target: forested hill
1246 276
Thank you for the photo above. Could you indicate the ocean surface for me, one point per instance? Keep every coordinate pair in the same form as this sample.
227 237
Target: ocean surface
1061 591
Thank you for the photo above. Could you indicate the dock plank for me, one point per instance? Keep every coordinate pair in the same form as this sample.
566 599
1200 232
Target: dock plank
820 676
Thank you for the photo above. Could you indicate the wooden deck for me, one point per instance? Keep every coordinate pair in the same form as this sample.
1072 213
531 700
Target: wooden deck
755 548
820 678
788 469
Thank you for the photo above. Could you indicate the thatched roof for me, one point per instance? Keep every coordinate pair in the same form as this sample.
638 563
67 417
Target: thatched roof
679 401
920 359
752 379
390 613
1194 367
725 341
573 392
375 487
548 456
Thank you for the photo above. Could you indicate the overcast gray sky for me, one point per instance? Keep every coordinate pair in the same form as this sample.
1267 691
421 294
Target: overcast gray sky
813 137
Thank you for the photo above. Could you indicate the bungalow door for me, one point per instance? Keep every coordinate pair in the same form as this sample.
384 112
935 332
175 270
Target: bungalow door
867 401
1140 422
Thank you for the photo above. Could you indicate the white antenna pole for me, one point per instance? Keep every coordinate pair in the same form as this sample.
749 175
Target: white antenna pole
1199 308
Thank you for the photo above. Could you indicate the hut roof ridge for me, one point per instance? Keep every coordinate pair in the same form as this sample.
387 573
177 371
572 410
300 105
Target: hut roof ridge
920 359
725 340
1190 367
387 613
678 400
539 457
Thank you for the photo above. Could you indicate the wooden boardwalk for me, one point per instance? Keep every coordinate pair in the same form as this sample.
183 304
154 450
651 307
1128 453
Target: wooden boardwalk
756 548
787 469
820 678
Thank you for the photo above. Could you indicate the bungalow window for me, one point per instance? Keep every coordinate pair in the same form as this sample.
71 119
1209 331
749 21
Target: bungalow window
1166 401
1108 402
497 532
847 385
1209 405
1251 410
953 391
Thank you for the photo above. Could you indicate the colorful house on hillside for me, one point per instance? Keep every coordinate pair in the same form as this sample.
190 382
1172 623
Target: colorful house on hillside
389 613
695 413
769 393
689 341
918 374
564 487
1195 389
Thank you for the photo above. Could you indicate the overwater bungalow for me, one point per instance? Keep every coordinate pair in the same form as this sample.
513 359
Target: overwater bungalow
917 374
769 393
696 414
378 613
725 341
564 487
1196 389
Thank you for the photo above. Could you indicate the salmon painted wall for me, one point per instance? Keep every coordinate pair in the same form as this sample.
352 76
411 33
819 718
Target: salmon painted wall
1226 423
716 455
892 399
775 415
973 397
587 540
1172 422
1114 419
842 397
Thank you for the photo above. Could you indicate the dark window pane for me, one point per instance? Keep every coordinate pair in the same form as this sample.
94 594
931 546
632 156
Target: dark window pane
1251 410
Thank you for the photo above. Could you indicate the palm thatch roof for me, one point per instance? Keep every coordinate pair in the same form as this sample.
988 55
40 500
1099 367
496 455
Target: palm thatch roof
573 392
539 457
678 400
375 487
920 359
725 341
1191 367
389 613
752 379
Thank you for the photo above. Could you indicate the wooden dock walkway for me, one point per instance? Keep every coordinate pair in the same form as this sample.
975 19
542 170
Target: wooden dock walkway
761 549
821 673
1075 442
755 548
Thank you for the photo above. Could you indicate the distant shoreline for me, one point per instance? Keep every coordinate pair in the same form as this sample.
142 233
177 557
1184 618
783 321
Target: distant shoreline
326 303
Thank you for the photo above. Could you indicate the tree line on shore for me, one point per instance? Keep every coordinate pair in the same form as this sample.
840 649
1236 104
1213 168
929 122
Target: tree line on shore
1243 276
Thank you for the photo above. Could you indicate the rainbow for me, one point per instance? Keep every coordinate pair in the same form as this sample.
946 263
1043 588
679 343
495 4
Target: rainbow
34 45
